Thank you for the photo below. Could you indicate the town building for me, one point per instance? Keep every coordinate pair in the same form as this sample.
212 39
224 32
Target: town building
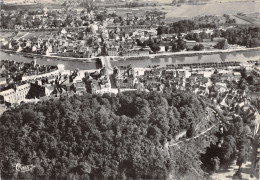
16 94
190 44
124 76
98 82
253 95
80 87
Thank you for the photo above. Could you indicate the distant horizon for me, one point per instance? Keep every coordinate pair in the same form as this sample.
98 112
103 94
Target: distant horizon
160 1
224 1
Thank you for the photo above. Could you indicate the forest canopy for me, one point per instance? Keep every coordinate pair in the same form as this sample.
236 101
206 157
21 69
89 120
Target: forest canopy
105 137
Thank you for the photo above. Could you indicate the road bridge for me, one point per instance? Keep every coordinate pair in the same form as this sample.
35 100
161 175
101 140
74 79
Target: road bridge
105 61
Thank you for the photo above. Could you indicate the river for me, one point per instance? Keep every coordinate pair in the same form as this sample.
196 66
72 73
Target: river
222 57
51 61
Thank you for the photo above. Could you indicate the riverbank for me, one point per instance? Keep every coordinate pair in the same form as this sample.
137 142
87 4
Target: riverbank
159 55
191 53
196 53
51 56
66 58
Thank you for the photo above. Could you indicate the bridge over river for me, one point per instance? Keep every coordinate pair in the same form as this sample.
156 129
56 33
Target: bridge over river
105 62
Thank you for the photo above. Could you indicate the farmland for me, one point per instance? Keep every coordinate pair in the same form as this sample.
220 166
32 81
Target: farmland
252 18
187 11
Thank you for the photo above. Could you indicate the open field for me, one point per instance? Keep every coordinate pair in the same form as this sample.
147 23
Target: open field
253 18
187 11
212 9
238 20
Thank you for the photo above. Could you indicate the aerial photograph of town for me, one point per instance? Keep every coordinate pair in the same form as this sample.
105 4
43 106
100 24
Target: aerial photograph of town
130 90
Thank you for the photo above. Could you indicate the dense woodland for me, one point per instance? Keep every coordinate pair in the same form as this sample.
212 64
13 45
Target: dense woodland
244 35
104 137
120 136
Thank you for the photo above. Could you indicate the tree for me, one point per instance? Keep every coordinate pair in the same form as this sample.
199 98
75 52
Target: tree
181 44
140 43
175 47
222 44
7 169
10 24
154 46
228 148
201 47
196 37
242 84
198 47
191 131
105 137
237 109
162 30
38 171
244 73
250 80
243 149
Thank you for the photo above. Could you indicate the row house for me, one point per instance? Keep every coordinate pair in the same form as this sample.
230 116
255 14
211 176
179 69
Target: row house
208 44
99 82
51 74
196 77
16 94
89 52
153 73
253 95
96 86
169 74
80 87
181 73
18 27
227 77
123 82
190 44
143 52
134 53
180 81
218 39
112 52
